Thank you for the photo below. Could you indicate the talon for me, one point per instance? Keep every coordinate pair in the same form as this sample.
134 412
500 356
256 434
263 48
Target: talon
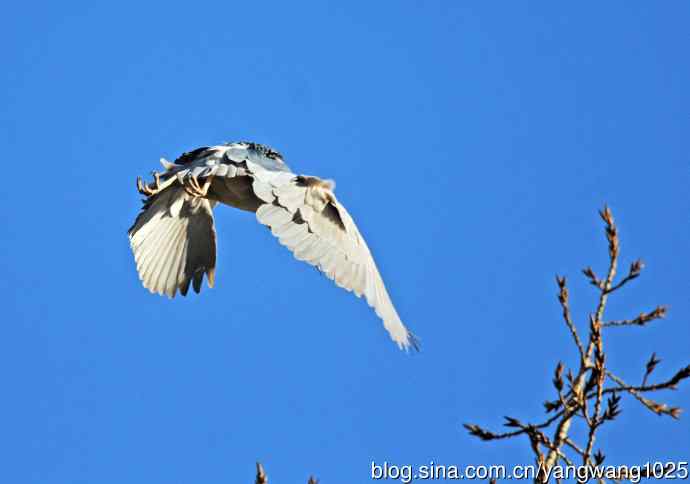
186 183
147 190
194 181
193 188
207 185
189 191
143 188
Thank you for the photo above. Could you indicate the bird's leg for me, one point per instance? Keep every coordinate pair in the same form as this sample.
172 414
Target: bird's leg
148 190
192 186
207 184
156 181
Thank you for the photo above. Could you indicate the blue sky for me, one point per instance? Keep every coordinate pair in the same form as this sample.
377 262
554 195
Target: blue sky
472 142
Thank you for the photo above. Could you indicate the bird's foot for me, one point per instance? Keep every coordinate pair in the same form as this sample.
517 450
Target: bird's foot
149 190
193 188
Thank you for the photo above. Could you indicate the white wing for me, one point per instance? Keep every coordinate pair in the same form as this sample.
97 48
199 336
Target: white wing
174 242
306 217
173 239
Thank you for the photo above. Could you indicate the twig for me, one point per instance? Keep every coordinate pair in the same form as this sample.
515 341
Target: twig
483 434
635 270
644 318
599 369
586 386
563 299
612 237
670 384
658 408
568 441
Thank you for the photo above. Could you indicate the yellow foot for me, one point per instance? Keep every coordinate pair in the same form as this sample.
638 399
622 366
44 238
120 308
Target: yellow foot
192 186
149 190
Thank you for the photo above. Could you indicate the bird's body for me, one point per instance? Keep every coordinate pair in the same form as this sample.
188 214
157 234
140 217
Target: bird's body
174 238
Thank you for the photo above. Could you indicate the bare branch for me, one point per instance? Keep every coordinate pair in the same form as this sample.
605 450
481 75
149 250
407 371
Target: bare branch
644 318
658 408
573 446
614 246
635 270
563 299
669 384
581 392
600 375
483 434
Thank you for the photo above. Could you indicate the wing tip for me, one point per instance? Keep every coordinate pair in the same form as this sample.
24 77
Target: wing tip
211 277
410 341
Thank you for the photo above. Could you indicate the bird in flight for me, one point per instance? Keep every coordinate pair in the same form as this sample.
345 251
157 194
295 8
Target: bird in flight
174 238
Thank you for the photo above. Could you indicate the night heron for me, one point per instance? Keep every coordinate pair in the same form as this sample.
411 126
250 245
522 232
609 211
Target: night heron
174 238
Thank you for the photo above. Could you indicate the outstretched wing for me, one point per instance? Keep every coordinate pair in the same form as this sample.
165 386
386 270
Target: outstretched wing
301 211
174 242
306 217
